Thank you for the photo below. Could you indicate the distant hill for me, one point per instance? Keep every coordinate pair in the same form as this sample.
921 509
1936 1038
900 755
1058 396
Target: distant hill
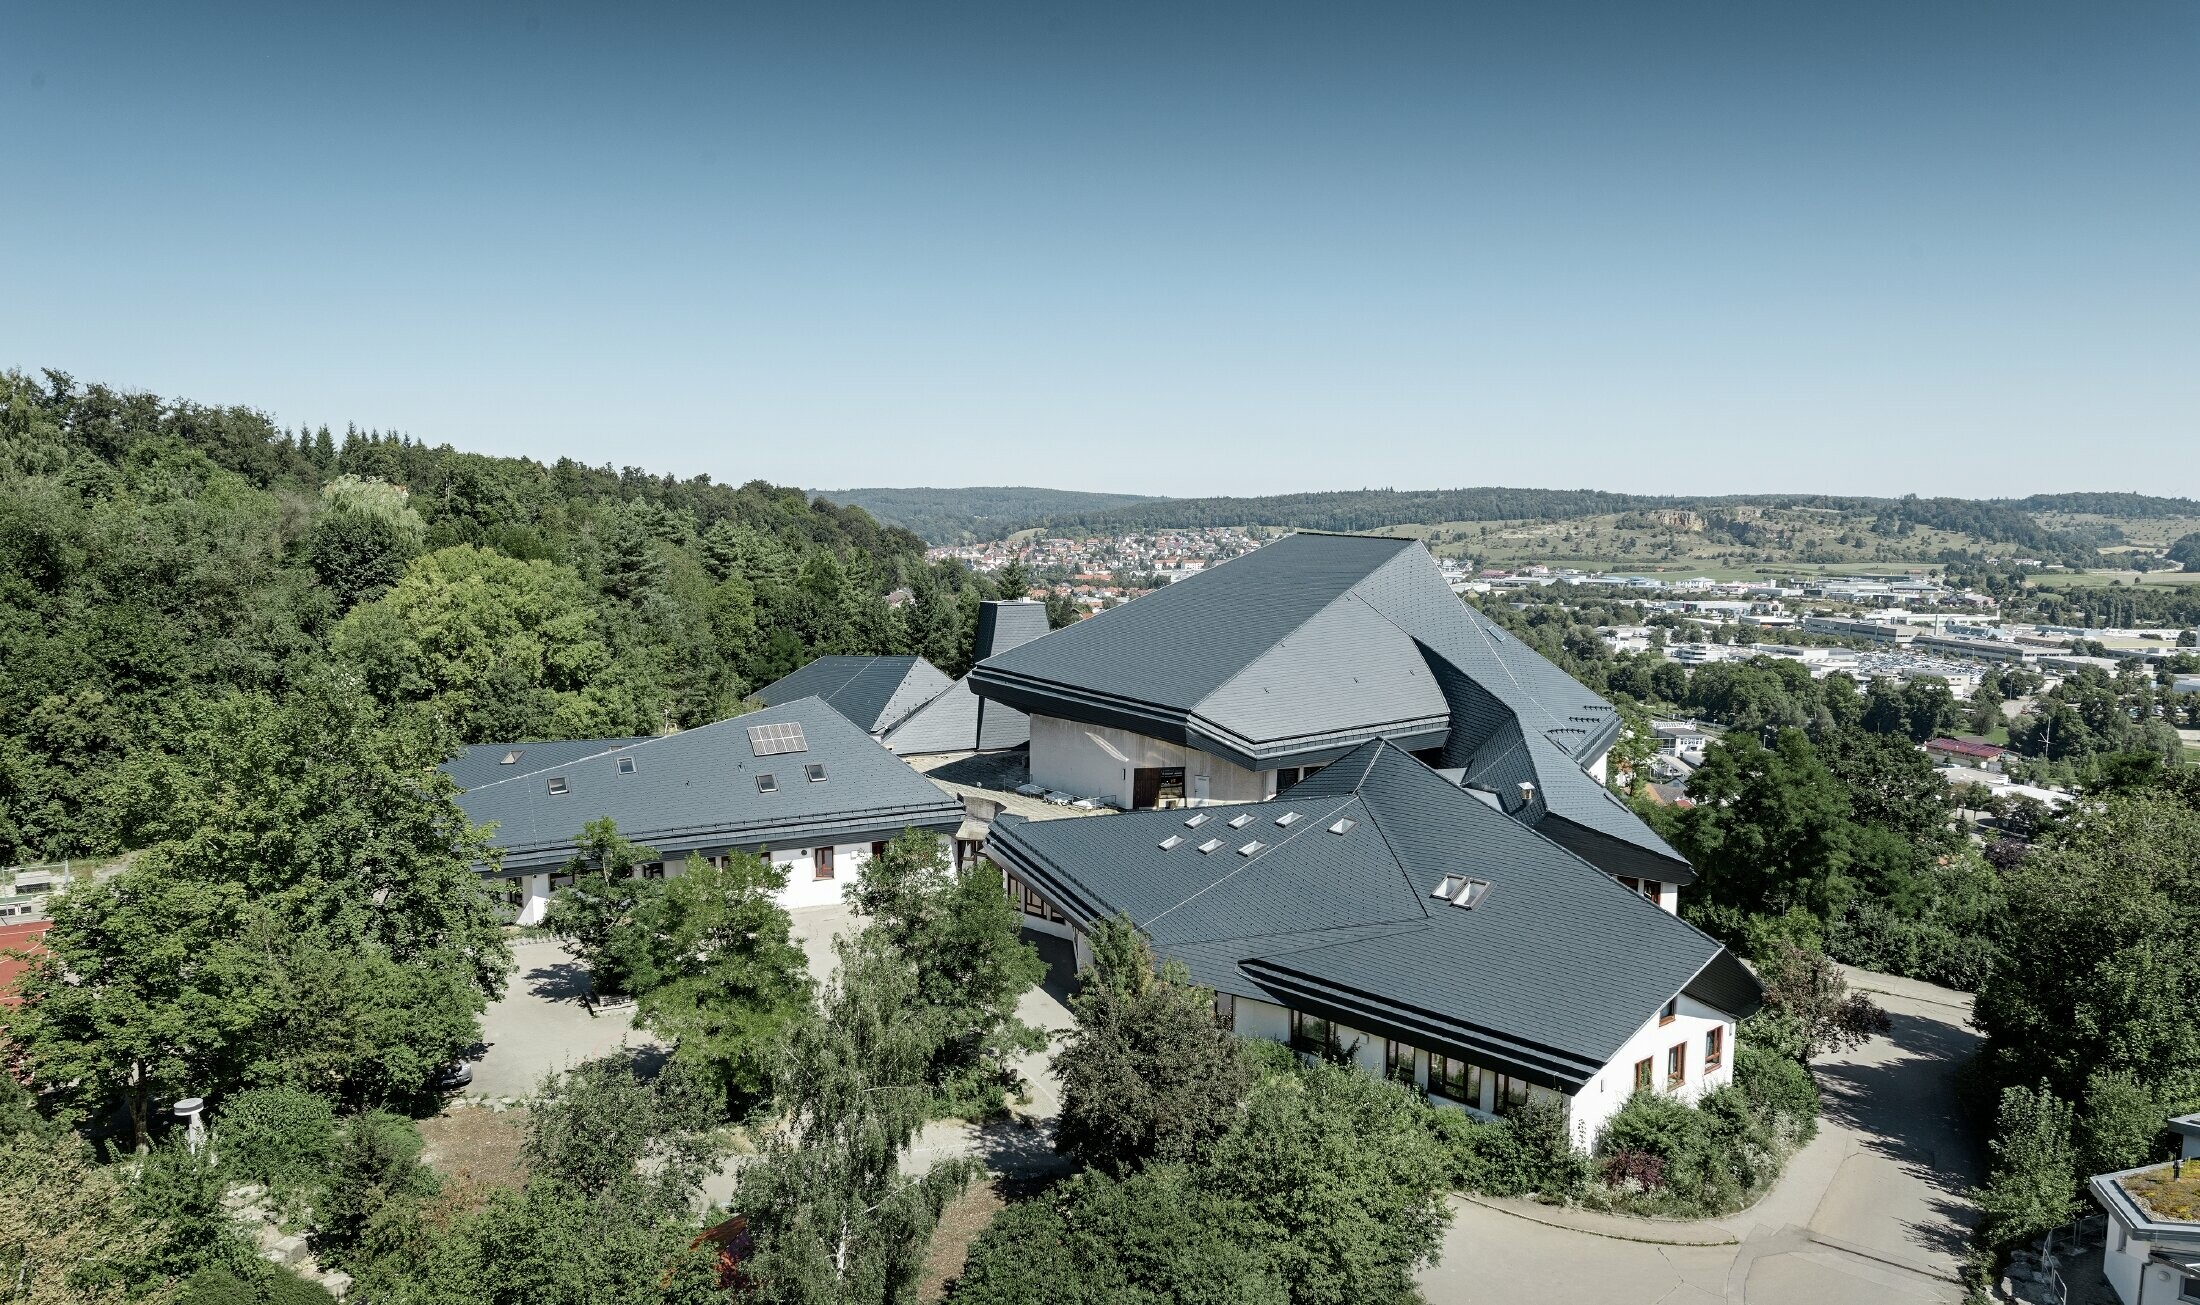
2130 506
960 516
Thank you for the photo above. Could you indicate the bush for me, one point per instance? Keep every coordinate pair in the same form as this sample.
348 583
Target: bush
278 1136
1529 1153
1699 1175
2120 1125
376 1174
259 1283
1779 1087
1640 1170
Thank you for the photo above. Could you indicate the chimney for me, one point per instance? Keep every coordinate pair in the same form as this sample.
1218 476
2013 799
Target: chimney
1527 793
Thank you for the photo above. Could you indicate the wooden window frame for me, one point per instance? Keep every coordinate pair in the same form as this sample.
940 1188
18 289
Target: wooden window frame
821 864
1669 1012
1714 1048
1676 1066
1646 1071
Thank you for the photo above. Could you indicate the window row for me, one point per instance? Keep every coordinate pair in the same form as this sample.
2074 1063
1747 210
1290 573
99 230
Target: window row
1029 902
1676 1062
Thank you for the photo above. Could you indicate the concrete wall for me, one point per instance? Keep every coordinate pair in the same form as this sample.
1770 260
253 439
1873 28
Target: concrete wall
804 888
1096 761
1602 1096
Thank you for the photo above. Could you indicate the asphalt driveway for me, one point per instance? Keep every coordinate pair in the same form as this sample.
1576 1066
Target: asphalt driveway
1871 1211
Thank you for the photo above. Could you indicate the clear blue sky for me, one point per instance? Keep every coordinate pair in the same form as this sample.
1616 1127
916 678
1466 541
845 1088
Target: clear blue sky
1188 248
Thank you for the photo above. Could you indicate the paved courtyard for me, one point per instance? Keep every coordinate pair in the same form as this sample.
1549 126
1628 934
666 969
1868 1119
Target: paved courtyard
1872 1210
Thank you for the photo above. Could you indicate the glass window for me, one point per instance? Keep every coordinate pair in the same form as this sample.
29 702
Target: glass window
1676 1065
557 784
1512 1093
767 783
1309 1033
1455 1080
626 765
878 849
1714 1049
1398 1060
821 863
1225 1010
1670 1012
1642 1075
814 772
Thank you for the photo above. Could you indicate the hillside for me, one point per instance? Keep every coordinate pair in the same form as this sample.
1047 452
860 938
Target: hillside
976 512
166 566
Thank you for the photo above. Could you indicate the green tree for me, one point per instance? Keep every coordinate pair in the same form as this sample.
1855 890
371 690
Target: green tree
1337 1173
2033 1183
363 537
142 994
1769 828
833 1217
499 648
69 1232
715 970
964 935
593 914
1146 1074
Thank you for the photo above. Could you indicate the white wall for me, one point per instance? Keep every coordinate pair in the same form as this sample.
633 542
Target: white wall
1096 761
1601 1097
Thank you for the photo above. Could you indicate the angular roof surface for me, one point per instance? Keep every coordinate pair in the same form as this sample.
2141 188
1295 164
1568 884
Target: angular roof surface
1315 644
485 763
1549 975
698 789
874 692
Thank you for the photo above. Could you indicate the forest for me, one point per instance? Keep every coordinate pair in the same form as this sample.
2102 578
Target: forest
166 565
975 513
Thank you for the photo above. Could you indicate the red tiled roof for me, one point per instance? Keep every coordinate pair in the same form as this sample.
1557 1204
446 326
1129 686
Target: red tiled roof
1965 748
18 937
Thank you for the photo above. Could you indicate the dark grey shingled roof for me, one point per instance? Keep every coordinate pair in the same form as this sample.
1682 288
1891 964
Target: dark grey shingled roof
483 763
874 692
1547 978
959 720
696 790
1314 644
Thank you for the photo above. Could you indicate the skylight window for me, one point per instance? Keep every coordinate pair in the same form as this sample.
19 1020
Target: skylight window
767 783
772 740
1196 821
1240 822
1172 842
1462 891
511 757
626 765
1287 819
814 772
1210 845
1250 848
557 784
1344 827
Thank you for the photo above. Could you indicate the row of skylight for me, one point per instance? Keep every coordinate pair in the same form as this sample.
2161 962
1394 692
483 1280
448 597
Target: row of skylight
1240 821
769 783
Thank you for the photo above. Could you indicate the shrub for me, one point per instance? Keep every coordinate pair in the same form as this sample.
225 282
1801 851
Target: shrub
377 1172
1529 1153
2033 1185
1644 1171
258 1283
2120 1126
1697 1173
278 1136
1779 1087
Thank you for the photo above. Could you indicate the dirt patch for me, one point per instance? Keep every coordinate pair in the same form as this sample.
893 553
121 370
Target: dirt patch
960 1223
475 1150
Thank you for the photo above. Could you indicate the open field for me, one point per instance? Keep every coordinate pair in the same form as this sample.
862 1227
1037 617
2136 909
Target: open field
1797 541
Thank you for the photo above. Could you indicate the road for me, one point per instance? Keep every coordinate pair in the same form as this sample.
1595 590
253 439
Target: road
1871 1211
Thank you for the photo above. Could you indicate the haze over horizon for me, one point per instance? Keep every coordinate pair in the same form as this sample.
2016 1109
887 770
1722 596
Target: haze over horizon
1238 250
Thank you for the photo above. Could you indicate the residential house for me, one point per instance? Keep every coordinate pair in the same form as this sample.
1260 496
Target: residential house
1240 682
1963 752
798 783
1377 912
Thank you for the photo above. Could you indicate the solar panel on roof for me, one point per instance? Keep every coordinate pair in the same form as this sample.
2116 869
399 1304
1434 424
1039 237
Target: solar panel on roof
772 740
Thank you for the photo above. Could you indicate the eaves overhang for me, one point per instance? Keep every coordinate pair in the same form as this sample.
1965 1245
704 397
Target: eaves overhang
944 817
1188 728
1539 1063
2109 1191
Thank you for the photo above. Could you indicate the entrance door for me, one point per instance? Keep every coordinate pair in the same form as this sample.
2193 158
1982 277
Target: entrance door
1145 787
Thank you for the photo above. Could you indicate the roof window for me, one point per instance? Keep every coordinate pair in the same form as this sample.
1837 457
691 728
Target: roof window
1196 821
767 783
771 740
1172 842
1344 826
557 784
1250 848
511 757
814 772
626 765
1287 819
1210 845
1240 822
1462 891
